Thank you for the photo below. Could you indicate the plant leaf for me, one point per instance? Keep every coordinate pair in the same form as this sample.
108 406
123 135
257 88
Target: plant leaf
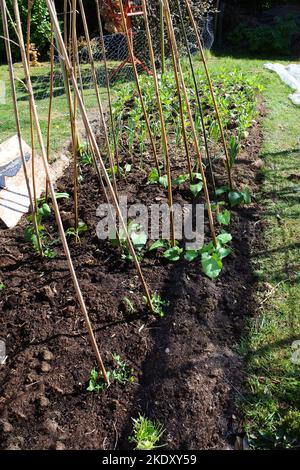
139 239
234 198
173 254
211 265
180 180
196 188
190 255
224 217
158 244
224 238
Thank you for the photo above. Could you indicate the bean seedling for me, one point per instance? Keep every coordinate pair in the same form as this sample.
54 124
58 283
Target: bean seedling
158 304
42 213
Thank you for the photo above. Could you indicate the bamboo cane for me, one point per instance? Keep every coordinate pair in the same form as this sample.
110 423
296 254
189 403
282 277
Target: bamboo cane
30 4
32 138
173 45
99 102
75 156
113 129
162 122
210 85
136 76
66 23
182 119
52 191
17 120
197 97
162 38
50 102
93 141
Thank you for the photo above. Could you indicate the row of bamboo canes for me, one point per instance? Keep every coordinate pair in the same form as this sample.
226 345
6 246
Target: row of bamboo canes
66 46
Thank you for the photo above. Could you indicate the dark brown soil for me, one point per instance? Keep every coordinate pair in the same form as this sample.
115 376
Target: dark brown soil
187 374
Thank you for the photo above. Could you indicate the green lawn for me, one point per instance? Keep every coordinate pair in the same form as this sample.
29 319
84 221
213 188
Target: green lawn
271 403
60 116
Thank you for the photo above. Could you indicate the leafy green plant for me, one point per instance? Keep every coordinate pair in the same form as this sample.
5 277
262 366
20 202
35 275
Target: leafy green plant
154 178
157 303
138 237
212 256
233 150
173 254
128 305
146 433
85 156
120 373
239 197
77 232
58 196
197 185
43 212
2 286
224 217
96 381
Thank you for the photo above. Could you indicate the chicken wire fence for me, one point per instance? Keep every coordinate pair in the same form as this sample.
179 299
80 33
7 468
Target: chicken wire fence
117 53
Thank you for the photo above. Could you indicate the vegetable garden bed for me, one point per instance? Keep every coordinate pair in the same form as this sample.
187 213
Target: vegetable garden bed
185 372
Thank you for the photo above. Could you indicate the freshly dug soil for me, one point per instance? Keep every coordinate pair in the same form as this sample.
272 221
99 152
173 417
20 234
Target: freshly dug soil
187 374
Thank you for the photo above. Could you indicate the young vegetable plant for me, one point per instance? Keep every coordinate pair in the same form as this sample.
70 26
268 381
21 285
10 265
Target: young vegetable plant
157 304
233 150
77 232
120 373
30 236
211 256
128 305
235 197
146 433
171 253
2 286
195 186
154 178
138 237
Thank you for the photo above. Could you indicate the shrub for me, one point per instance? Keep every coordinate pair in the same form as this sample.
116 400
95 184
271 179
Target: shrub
276 38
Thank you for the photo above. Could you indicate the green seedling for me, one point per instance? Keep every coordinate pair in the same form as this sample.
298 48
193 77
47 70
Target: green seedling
239 197
157 304
43 212
233 150
159 244
173 254
77 232
224 217
138 237
85 156
154 178
146 433
2 286
197 185
128 305
212 256
235 197
121 373
58 196
96 381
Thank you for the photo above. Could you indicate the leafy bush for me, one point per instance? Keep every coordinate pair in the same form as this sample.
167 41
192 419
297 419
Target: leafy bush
276 38
40 26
